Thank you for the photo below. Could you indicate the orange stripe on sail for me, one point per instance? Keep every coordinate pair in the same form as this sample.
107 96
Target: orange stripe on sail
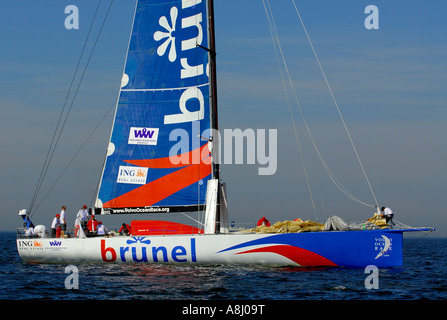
161 188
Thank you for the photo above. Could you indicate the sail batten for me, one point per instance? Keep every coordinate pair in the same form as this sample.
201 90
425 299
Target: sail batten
164 89
156 157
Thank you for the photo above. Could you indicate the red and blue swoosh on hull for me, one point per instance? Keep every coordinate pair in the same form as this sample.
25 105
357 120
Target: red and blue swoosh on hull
302 257
283 245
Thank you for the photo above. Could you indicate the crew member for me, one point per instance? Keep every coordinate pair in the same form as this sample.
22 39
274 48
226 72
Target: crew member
30 231
102 229
54 226
92 224
263 222
63 221
125 230
387 213
83 217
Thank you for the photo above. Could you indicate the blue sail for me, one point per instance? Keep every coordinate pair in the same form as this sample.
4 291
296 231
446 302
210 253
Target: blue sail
156 159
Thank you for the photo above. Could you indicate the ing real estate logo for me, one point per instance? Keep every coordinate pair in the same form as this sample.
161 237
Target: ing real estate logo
34 245
30 245
132 175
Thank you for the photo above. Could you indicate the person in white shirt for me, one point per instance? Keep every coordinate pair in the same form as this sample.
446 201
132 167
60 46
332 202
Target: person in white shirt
102 229
63 221
83 217
54 225
30 231
83 213
387 214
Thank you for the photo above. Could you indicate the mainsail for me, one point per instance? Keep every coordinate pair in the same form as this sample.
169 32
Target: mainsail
158 159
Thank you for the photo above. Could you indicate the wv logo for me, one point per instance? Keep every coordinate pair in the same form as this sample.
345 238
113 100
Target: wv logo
144 133
143 136
55 243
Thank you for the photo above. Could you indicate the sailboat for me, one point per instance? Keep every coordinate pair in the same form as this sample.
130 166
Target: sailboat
160 158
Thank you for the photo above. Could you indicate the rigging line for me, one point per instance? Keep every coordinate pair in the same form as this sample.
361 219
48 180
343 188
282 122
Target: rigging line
197 221
79 85
405 248
199 140
116 105
76 154
326 167
277 46
336 104
97 184
52 145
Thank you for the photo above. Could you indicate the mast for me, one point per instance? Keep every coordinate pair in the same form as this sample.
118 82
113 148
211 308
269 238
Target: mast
214 123
213 79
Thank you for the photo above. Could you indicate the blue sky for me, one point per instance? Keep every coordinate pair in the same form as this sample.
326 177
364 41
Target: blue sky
390 84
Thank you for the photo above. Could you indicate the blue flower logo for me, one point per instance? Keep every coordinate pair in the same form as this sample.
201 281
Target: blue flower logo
170 39
138 240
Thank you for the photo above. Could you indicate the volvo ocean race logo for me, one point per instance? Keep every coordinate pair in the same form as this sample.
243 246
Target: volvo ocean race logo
132 175
383 246
143 136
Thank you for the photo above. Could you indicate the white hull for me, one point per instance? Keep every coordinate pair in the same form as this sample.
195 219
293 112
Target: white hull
382 248
154 249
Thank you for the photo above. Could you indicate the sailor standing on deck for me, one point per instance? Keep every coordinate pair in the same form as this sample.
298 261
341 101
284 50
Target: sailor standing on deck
83 217
54 225
63 221
92 225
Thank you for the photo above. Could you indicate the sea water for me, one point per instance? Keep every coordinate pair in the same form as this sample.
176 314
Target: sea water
423 276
